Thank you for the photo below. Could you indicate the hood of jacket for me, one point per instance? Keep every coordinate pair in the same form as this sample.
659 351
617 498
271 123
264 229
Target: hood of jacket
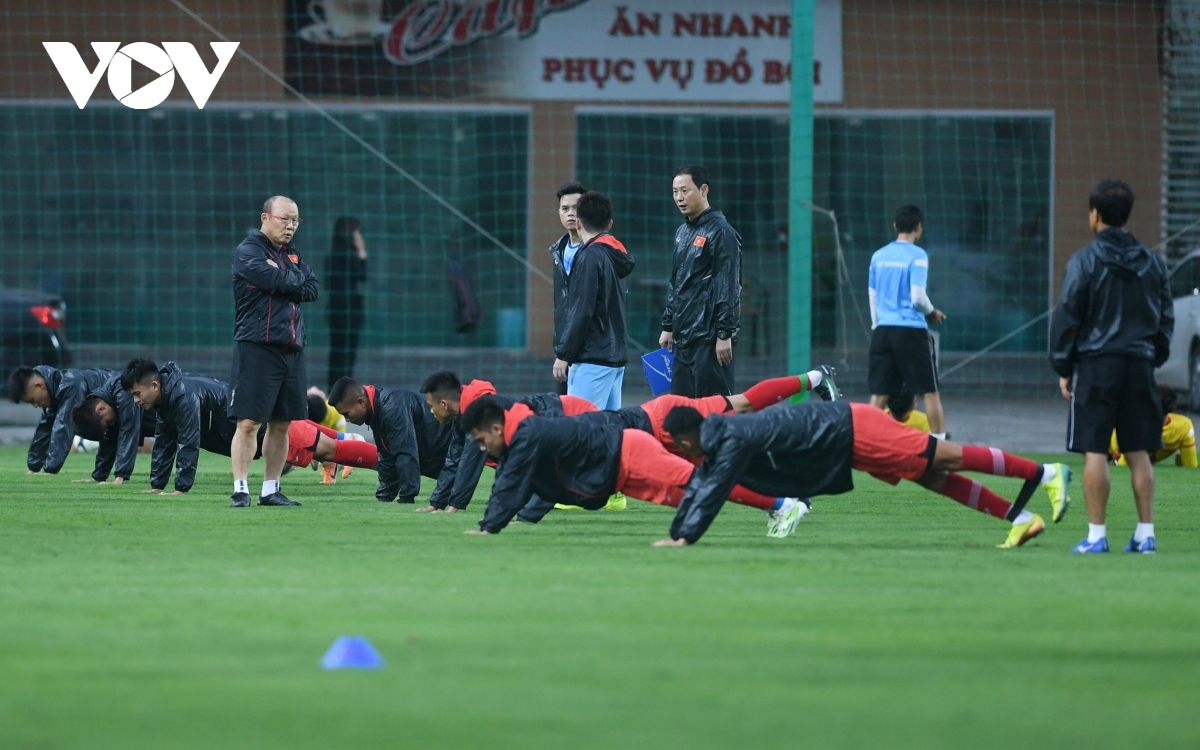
472 391
170 376
622 262
1123 254
513 417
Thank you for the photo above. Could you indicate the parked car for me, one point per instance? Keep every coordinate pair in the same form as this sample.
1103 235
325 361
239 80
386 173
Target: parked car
32 329
1182 370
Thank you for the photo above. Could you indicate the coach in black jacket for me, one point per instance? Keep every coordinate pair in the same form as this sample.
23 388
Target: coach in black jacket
269 381
704 308
56 392
1111 328
109 416
410 440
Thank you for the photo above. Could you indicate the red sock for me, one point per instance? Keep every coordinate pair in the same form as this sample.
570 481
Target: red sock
768 392
358 453
327 431
998 463
744 496
974 495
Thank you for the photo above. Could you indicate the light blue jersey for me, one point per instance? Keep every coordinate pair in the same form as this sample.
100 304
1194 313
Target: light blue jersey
895 269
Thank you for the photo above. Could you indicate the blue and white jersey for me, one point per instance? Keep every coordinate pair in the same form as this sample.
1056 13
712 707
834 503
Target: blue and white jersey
895 269
569 256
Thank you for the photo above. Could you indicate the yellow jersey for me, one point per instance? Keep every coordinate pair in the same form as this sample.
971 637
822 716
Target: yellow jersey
1179 436
916 420
333 420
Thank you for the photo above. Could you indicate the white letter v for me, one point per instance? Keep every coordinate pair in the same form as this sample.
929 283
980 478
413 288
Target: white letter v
199 82
80 81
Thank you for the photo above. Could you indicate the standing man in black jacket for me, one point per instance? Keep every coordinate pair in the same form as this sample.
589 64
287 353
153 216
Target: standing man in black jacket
591 344
704 300
1111 328
563 252
270 385
110 416
56 392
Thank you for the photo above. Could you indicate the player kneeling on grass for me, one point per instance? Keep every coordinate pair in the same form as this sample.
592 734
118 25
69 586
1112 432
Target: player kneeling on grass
110 417
56 392
321 412
1178 434
410 441
809 449
584 460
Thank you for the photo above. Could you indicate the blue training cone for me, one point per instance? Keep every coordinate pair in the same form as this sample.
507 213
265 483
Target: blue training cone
658 366
351 652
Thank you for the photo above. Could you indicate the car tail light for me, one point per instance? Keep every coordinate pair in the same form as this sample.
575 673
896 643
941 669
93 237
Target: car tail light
51 316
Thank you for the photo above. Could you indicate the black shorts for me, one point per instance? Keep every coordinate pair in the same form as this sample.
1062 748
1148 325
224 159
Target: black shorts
268 383
901 361
1114 392
696 372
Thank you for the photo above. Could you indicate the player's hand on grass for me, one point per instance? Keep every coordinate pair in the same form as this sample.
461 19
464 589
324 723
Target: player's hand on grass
724 351
667 340
477 532
1064 385
152 491
37 473
448 509
560 370
426 509
117 481
936 317
670 543
86 480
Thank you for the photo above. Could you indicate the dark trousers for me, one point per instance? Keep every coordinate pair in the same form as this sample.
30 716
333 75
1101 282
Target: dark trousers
697 374
345 326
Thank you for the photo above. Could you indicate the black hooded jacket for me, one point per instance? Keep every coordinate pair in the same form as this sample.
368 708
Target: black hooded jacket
1115 300
268 297
787 451
120 443
593 316
411 442
557 250
705 295
56 429
193 413
569 461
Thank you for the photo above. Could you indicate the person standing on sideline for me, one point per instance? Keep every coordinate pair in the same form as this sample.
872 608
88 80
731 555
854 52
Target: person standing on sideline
269 383
562 252
1112 327
591 346
345 275
901 356
704 299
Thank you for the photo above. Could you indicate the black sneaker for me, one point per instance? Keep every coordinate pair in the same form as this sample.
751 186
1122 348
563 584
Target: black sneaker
277 499
240 500
828 389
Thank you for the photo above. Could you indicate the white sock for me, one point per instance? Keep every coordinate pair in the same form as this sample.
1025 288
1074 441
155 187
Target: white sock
814 378
1024 517
1048 473
270 487
1096 532
241 485
1143 532
939 435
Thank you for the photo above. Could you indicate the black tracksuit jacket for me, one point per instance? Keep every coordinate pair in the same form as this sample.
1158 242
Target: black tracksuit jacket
268 299
593 314
705 295
787 451
120 444
1115 299
56 429
193 413
568 461
411 442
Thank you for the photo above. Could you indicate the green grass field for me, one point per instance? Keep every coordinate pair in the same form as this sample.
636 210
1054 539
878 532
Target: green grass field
888 621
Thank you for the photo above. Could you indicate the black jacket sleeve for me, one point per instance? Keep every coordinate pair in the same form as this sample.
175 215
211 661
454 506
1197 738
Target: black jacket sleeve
535 510
400 464
162 460
63 432
252 265
1166 319
187 434
727 282
514 483
1069 314
583 288
460 474
668 320
709 488
129 437
106 455
310 287
41 441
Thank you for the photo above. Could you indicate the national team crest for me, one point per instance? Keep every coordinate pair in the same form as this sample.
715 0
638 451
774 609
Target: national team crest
699 241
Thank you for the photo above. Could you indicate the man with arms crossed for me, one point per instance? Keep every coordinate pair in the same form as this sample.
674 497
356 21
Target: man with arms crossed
901 354
269 383
1111 328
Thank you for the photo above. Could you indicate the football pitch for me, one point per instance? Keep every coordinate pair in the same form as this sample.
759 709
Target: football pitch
889 620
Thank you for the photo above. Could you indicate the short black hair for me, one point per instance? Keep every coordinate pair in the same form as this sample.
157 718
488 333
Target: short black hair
1113 200
317 408
345 389
136 372
442 384
571 188
908 218
900 404
483 412
18 383
698 174
595 210
1168 397
87 421
683 421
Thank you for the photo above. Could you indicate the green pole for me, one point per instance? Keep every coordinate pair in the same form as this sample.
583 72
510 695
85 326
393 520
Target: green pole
800 181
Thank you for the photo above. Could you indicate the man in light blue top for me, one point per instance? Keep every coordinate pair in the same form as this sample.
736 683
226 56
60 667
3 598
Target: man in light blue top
901 355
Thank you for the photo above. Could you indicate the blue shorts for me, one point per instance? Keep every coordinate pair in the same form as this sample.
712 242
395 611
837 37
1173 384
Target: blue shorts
599 384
